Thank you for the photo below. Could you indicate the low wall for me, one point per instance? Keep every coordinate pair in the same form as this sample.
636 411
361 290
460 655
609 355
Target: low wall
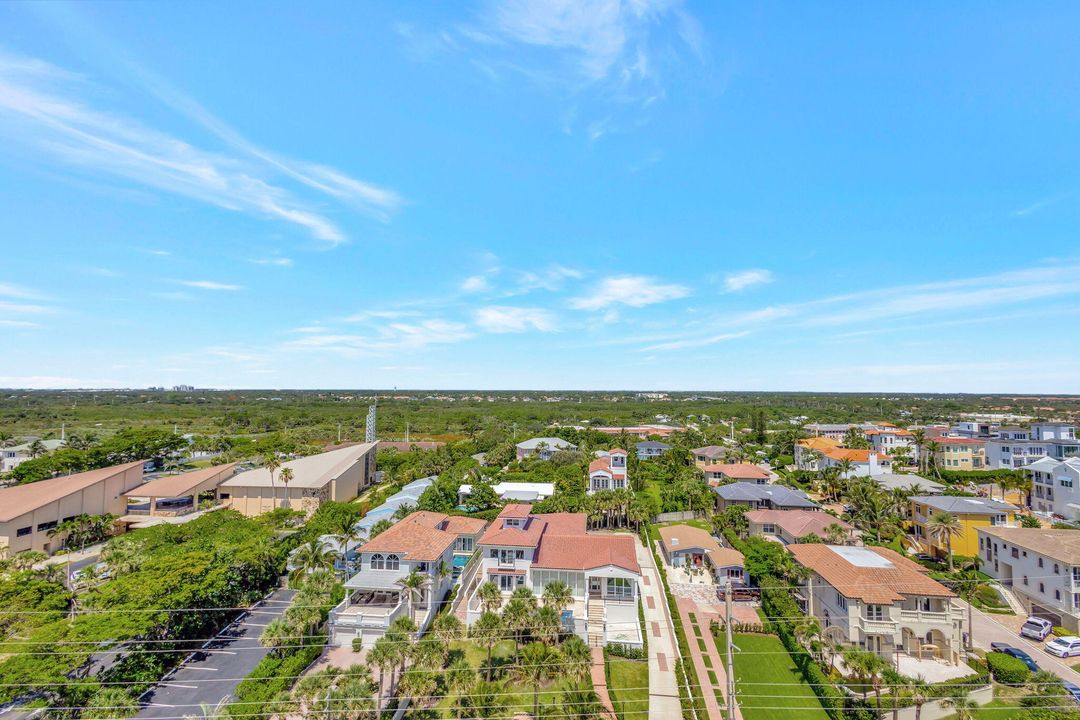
675 516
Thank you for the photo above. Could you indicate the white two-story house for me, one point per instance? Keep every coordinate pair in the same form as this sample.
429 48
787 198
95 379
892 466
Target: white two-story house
424 542
1041 566
1055 486
608 472
520 549
876 599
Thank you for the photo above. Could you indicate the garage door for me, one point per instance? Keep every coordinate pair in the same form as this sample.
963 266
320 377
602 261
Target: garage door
1053 617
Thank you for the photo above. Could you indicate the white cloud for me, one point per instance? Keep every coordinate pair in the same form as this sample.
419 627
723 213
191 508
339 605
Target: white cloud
24 308
42 111
475 283
734 282
505 319
18 324
632 290
393 337
18 291
276 261
551 278
210 285
369 315
700 342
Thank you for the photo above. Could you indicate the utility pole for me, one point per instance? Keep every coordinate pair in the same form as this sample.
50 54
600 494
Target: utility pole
730 654
406 432
339 433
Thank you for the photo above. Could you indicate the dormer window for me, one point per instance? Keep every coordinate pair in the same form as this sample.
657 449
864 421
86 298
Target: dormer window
392 562
512 523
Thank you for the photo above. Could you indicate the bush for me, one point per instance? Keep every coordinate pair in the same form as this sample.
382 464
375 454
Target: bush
1006 669
271 676
625 651
1060 631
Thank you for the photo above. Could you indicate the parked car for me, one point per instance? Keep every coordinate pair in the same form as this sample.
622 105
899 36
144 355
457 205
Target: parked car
1016 653
1073 690
1064 646
1036 628
924 557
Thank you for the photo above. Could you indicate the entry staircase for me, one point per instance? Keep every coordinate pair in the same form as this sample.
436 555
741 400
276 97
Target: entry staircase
597 620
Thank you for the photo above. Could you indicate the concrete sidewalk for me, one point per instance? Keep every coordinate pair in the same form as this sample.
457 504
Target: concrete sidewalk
214 672
664 701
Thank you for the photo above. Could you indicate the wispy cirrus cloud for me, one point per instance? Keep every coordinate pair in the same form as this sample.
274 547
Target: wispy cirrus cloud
275 261
506 319
210 285
48 111
697 343
736 281
631 290
389 338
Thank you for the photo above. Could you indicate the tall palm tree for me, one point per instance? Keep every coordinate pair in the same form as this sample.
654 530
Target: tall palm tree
414 584
271 462
868 667
918 438
448 628
285 475
933 447
942 528
490 596
487 631
486 700
835 534
346 532
558 595
577 657
460 676
920 693
312 556
538 662
517 617
845 467
546 624
582 703
383 655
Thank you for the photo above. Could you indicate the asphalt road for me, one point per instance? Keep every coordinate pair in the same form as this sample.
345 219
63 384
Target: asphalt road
214 672
988 630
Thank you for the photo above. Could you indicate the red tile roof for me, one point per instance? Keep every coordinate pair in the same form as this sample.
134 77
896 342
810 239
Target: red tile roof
464 525
415 537
563 543
797 523
739 471
516 510
878 585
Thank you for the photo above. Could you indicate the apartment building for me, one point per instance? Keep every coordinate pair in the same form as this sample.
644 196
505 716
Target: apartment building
761 497
724 473
608 472
1041 566
542 447
1055 486
972 512
521 549
1016 447
832 431
878 600
887 440
796 526
682 544
957 453
423 542
336 475
28 512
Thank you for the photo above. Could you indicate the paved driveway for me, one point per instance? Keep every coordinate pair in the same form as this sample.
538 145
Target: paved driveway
988 629
214 672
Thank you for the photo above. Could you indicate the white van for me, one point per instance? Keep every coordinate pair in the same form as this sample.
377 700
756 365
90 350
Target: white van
1036 628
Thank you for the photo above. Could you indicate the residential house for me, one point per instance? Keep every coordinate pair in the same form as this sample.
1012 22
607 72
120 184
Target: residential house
957 453
1041 566
423 542
736 472
878 600
808 452
682 544
642 432
521 549
336 475
1055 486
887 440
796 526
408 496
972 512
28 512
650 449
863 463
542 447
907 481
761 497
708 455
608 472
514 491
13 456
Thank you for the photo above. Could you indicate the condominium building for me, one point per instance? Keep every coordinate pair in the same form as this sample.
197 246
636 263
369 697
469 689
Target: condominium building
878 600
957 453
1040 566
1055 486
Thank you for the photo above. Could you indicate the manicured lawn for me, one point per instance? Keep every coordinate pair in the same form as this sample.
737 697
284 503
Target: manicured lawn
628 686
762 660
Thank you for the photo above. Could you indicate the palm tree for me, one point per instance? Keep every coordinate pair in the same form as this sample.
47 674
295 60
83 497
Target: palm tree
490 596
417 683
546 625
379 527
448 628
278 635
835 534
961 703
582 703
577 657
430 653
808 631
459 676
933 447
538 662
383 655
485 701
37 449
920 693
414 584
285 476
345 532
844 468
868 667
110 702
312 556
517 617
558 595
272 463
487 631
918 437
942 528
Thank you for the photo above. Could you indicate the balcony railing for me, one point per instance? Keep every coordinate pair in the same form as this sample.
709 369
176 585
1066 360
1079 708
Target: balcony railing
924 615
876 627
375 616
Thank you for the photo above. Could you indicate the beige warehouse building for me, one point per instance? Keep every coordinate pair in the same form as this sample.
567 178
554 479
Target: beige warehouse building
335 475
28 512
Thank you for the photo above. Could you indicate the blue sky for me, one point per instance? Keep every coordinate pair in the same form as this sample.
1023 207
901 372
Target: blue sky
816 196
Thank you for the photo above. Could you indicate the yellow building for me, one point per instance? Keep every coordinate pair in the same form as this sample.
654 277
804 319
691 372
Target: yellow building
972 512
958 453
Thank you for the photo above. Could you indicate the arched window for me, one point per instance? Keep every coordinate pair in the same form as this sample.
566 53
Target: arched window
392 562
377 562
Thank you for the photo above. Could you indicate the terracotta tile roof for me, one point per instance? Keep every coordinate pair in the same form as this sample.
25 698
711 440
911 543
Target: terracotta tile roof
527 536
680 537
515 510
181 484
586 551
797 523
600 464
616 451
464 525
854 455
819 443
415 537
21 499
739 471
872 574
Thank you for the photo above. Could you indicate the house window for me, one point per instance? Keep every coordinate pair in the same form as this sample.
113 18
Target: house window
875 612
841 601
392 562
1057 570
466 544
421 567
768 529
494 553
1025 580
377 562
1040 562
23 532
519 554
1042 588
1057 594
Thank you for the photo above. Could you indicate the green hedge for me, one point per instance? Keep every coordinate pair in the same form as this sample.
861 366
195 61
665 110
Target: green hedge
625 651
273 675
1006 669
977 476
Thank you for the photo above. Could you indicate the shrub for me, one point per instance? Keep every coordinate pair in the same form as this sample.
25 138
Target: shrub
625 651
1060 631
1006 669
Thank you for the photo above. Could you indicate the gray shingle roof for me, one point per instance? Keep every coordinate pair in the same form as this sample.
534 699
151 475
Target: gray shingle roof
776 494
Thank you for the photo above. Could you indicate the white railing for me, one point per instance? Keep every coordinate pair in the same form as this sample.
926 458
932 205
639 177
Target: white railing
365 615
924 615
